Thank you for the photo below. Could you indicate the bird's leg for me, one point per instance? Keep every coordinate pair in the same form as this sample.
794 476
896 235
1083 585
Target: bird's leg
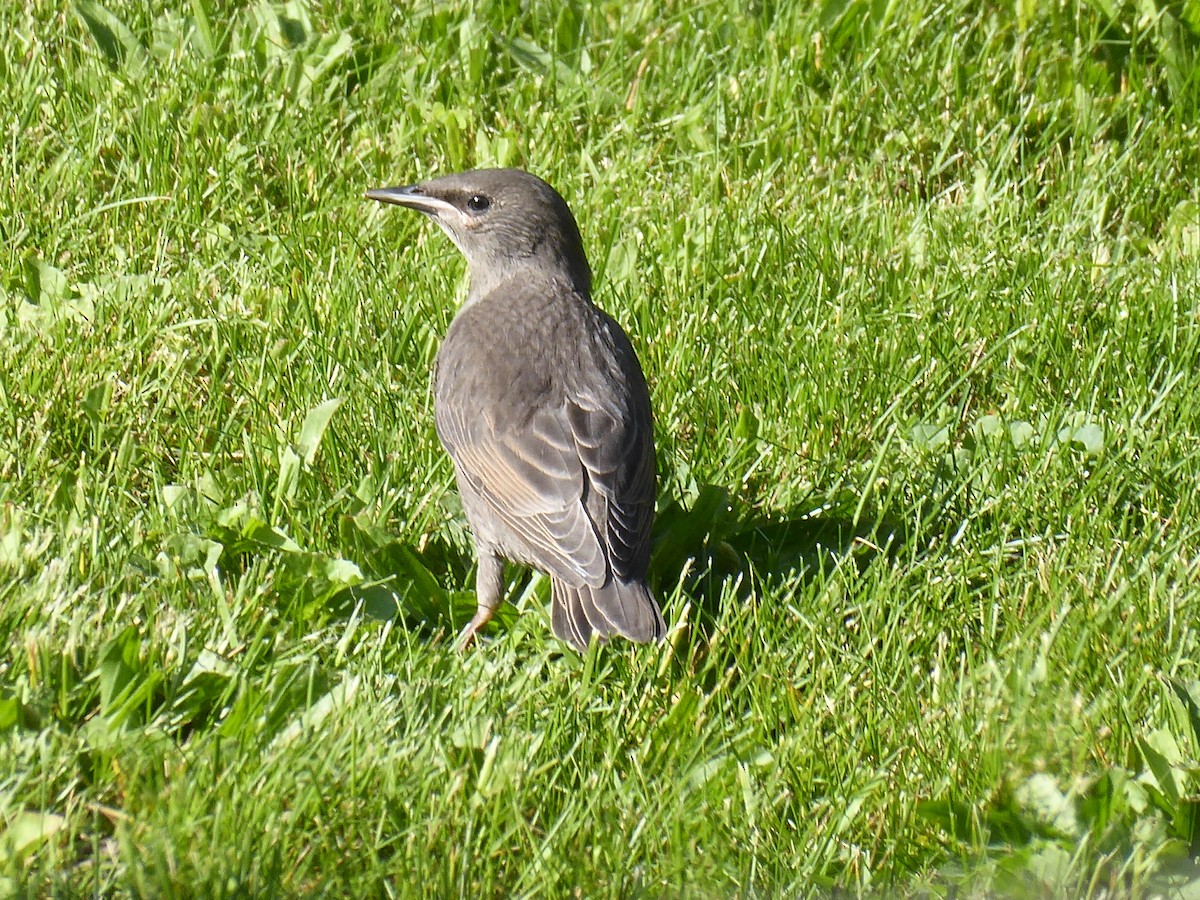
489 584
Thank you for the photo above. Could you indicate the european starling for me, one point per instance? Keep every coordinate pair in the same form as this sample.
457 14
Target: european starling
542 406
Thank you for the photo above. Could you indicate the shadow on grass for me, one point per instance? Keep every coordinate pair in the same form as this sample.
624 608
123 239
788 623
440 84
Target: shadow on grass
717 551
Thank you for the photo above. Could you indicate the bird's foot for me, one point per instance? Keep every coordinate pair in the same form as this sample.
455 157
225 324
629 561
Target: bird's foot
467 636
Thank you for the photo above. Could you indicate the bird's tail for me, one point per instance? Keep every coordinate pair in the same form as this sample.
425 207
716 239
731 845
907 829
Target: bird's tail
625 608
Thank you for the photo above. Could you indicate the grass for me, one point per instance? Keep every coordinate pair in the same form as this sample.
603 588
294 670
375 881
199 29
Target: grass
915 287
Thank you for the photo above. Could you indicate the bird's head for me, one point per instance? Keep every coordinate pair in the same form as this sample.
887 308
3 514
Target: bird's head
506 222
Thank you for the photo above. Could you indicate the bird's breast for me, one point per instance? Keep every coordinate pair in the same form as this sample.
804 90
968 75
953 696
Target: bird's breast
494 373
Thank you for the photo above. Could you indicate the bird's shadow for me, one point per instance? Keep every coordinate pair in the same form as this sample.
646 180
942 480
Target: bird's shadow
715 548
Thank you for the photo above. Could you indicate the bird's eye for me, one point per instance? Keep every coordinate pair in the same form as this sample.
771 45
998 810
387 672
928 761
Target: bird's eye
478 203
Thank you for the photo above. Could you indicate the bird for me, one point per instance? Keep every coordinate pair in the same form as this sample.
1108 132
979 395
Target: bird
542 405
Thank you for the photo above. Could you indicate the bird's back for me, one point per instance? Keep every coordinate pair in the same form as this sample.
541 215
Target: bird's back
543 407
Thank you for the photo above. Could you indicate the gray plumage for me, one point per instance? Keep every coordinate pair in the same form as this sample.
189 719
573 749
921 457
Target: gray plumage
543 408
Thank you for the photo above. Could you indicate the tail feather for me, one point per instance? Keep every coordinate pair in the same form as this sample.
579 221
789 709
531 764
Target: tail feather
567 618
625 608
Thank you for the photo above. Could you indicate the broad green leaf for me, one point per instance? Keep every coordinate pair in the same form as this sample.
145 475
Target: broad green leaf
408 563
314 427
705 771
930 437
118 667
309 719
320 60
1160 752
989 425
379 601
268 535
1090 437
10 710
1184 694
44 283
746 428
26 831
118 44
1181 234
174 495
1021 433
204 32
289 477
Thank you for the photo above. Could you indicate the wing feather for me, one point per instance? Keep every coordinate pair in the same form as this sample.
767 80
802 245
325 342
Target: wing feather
560 450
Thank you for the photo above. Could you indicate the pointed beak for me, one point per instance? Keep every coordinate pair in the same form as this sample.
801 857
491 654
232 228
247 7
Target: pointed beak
411 196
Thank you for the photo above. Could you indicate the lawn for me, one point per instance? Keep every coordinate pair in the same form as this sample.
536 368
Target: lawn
916 287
